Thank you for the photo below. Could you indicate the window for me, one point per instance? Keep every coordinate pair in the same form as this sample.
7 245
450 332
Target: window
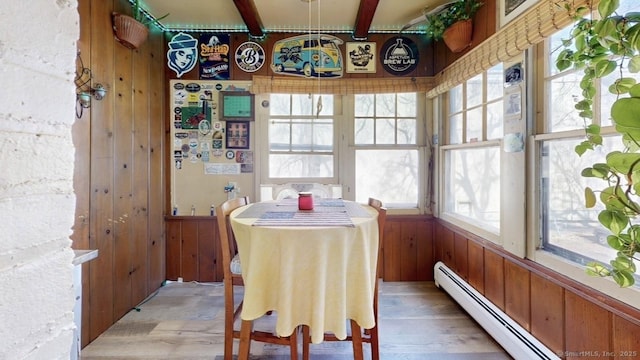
386 149
566 227
301 133
471 156
475 111
473 185
569 229
368 145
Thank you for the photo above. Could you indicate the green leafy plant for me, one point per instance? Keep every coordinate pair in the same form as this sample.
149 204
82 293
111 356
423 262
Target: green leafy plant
459 10
599 47
140 16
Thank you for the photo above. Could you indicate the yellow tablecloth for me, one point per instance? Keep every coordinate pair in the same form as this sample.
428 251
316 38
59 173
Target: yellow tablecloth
318 276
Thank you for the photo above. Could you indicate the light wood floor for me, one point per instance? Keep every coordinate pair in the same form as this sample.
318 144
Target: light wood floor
185 321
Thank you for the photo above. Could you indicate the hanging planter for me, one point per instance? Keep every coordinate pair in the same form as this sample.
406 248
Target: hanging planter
128 31
458 36
454 24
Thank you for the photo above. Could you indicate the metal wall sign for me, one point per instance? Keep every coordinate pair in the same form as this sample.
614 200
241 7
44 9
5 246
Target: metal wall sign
399 55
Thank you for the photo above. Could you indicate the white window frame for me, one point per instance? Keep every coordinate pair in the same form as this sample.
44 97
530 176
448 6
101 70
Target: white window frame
419 146
489 233
262 143
546 258
344 150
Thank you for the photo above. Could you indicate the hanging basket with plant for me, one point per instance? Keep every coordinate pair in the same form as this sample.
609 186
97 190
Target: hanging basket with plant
132 31
454 24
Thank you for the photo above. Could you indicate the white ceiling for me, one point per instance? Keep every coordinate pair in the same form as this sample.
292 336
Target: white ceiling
335 16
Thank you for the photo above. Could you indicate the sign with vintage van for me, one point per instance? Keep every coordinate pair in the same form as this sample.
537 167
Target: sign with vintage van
310 55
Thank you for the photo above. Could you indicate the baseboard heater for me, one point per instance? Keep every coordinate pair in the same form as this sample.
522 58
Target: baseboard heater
517 341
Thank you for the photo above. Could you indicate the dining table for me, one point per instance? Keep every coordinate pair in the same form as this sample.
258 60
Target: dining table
311 267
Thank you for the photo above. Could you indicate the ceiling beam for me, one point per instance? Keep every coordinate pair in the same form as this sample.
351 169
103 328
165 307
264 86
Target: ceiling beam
363 20
250 16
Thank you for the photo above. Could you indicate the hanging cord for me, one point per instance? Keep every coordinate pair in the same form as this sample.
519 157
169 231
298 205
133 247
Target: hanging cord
319 104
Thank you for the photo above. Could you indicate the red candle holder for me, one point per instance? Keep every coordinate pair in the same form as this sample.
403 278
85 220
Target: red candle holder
305 201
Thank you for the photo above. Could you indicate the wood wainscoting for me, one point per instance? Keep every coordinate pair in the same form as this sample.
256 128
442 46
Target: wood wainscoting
571 319
193 248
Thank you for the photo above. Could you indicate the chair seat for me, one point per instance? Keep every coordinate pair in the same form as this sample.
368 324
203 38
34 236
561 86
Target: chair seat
235 265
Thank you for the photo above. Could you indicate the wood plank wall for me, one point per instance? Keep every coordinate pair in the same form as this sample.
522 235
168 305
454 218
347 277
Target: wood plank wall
118 176
571 319
193 248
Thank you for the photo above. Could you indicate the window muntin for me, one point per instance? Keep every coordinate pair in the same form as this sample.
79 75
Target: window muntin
563 88
455 128
475 111
563 93
475 91
495 115
301 136
387 161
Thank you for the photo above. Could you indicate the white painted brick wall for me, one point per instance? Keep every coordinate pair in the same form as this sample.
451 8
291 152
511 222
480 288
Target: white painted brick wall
37 203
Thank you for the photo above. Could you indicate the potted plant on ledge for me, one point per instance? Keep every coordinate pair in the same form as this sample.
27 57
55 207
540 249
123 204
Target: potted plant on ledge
454 24
132 31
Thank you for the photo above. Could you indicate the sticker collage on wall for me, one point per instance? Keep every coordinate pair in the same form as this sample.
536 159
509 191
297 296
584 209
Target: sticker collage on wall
203 135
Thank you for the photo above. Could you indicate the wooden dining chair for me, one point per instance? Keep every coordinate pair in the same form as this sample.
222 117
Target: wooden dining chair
233 278
358 336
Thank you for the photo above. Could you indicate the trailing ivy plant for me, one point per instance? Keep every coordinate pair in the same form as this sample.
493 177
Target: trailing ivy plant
599 47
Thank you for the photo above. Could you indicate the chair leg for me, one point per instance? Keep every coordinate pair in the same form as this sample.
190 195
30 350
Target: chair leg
375 349
306 339
293 344
356 339
228 345
245 339
228 336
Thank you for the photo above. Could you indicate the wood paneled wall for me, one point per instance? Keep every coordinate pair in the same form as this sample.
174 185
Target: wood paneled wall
118 178
571 319
193 248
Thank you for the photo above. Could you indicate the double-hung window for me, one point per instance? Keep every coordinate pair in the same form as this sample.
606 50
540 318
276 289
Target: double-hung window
567 227
387 152
368 145
471 153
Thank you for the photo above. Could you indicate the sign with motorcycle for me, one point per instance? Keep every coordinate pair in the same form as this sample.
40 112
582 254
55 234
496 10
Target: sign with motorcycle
361 57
